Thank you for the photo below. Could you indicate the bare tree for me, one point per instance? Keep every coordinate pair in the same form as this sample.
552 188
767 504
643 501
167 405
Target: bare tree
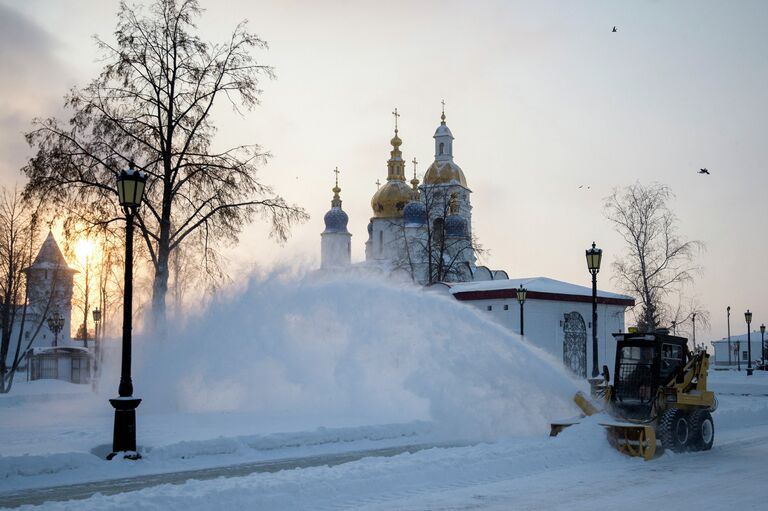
658 263
153 101
431 254
19 231
689 318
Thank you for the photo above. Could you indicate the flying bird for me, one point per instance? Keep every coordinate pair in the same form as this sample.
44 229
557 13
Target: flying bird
704 171
614 30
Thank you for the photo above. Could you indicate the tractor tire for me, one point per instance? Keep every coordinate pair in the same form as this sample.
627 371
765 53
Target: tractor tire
702 430
674 430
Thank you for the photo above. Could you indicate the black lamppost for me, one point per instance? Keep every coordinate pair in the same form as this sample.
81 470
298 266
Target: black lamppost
96 320
729 336
762 346
674 327
521 292
748 317
96 342
55 325
594 255
130 190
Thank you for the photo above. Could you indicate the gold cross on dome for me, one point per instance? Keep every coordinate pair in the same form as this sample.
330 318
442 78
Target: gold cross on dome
442 101
378 184
396 116
336 171
414 167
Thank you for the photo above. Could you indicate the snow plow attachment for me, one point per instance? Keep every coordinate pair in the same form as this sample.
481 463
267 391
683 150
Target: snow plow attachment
632 439
586 407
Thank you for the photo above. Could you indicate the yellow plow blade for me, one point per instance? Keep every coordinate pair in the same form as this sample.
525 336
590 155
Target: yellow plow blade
632 439
586 407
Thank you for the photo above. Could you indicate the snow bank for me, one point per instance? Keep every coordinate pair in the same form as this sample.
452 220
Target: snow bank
26 466
738 383
354 351
364 436
41 391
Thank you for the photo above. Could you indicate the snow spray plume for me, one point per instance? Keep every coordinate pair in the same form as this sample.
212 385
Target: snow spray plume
328 352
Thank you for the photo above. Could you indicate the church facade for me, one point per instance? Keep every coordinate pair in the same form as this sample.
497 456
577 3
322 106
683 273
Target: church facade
423 233
419 231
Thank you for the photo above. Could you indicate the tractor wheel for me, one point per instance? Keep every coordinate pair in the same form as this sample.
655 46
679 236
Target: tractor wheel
702 430
674 430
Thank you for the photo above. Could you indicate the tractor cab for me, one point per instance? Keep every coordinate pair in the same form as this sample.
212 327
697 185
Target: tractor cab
644 362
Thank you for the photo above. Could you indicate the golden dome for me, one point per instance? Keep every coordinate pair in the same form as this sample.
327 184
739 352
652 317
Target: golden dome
444 172
390 199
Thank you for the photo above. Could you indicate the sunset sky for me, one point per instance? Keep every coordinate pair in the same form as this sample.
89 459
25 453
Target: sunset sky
541 96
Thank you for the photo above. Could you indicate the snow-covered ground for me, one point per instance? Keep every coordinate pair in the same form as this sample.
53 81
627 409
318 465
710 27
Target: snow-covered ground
318 376
576 470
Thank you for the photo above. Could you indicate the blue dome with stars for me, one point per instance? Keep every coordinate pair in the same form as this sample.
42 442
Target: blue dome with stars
455 226
415 213
336 220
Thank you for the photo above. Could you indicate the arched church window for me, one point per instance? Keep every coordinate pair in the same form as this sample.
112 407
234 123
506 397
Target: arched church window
442 147
381 242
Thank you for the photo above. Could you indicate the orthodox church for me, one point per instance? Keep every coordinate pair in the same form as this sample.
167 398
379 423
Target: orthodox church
423 233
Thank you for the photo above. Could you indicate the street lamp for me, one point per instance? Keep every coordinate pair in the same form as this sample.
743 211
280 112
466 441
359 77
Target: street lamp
130 190
729 336
748 317
762 346
674 327
55 325
97 343
521 292
96 320
594 255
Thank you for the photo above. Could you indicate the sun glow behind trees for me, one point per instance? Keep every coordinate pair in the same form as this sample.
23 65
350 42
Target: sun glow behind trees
84 249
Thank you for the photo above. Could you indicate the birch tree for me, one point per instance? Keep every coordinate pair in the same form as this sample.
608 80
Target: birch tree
658 262
152 103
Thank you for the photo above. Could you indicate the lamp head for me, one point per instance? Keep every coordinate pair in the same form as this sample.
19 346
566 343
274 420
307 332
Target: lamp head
748 316
521 292
130 187
594 256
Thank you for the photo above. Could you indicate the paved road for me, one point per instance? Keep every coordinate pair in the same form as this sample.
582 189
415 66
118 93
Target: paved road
110 487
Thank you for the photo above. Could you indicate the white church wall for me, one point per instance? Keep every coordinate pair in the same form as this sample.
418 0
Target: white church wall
544 319
335 249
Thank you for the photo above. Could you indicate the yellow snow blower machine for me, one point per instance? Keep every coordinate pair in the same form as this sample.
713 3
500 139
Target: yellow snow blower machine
659 392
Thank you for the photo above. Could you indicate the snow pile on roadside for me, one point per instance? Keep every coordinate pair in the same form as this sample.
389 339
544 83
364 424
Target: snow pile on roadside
27 466
738 383
41 391
353 351
30 471
337 437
